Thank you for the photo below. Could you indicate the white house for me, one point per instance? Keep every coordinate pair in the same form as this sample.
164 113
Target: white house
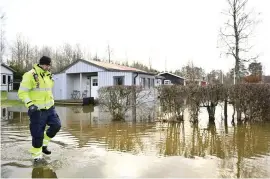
6 77
83 79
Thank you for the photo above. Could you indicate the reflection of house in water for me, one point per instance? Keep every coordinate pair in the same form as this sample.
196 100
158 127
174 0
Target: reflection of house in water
13 112
82 126
89 125
81 114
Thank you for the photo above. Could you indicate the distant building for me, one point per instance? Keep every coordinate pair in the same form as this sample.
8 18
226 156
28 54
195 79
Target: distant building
171 79
6 77
200 82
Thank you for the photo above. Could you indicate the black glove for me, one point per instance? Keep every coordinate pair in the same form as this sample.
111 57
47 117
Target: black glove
33 108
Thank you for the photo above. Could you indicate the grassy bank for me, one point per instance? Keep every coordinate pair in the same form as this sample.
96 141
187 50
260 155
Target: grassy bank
6 102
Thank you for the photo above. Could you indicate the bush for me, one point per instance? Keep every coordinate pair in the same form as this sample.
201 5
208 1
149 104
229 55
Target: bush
118 99
252 100
172 100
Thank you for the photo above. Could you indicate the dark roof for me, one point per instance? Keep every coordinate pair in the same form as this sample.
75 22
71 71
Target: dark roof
106 66
159 77
170 74
6 66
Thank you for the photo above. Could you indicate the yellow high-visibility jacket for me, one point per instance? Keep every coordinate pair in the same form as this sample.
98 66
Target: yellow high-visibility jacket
36 88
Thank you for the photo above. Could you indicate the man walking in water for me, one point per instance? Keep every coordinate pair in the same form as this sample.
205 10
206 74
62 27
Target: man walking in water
36 92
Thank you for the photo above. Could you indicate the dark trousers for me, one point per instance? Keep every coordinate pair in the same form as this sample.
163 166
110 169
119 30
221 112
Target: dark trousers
38 122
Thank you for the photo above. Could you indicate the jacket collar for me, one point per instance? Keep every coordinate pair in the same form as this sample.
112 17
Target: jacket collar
39 70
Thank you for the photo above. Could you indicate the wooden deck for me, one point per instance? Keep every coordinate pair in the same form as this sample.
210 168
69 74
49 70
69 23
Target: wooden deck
69 102
72 102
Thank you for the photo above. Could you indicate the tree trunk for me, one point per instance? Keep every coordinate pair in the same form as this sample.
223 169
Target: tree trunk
226 112
238 110
134 104
233 114
211 112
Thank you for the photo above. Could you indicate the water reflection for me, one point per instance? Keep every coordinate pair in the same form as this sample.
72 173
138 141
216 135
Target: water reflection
43 172
241 151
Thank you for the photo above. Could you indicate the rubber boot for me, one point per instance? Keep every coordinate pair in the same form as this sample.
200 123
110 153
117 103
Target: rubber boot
36 153
46 141
45 150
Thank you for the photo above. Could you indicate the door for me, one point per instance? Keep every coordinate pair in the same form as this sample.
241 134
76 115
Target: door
94 86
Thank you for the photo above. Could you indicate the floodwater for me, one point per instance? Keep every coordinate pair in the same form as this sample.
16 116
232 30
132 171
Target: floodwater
89 145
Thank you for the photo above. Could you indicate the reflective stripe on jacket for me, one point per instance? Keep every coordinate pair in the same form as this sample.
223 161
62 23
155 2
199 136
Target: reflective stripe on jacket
37 91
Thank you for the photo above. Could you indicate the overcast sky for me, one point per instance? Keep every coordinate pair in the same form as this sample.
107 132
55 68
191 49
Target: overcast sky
178 30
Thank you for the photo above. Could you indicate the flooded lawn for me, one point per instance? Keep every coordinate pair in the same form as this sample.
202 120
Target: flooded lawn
89 145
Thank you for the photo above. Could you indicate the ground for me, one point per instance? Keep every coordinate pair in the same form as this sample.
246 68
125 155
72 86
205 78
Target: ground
6 102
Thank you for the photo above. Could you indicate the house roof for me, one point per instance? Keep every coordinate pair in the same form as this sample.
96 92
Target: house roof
106 66
159 77
6 66
171 74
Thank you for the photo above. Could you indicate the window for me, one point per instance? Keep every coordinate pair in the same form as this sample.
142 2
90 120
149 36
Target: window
4 111
95 82
9 79
167 82
118 80
4 79
143 84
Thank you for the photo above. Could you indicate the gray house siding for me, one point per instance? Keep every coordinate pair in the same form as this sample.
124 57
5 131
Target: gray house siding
106 78
83 75
140 77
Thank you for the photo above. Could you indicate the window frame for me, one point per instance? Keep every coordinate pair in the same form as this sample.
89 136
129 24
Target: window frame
118 77
4 79
93 82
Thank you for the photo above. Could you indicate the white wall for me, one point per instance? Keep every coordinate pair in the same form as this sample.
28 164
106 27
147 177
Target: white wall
70 84
60 86
6 72
13 95
82 67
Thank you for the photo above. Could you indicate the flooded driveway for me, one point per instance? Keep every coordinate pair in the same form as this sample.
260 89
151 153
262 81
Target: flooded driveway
89 145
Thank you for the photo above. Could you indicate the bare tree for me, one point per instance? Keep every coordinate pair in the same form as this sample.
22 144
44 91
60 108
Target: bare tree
67 53
36 54
77 52
22 53
235 36
2 35
17 51
191 72
237 32
215 77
